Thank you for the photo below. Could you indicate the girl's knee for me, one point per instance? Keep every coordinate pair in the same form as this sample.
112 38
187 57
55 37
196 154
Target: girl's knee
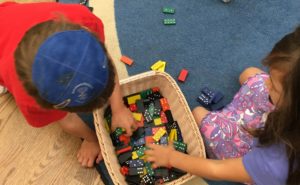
199 113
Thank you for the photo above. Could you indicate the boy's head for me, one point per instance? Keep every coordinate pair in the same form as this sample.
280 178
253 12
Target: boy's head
64 66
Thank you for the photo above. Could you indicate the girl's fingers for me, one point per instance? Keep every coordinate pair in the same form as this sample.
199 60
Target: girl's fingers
152 146
149 152
150 159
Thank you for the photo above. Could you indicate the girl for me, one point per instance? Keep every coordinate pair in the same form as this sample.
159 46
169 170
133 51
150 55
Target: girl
271 158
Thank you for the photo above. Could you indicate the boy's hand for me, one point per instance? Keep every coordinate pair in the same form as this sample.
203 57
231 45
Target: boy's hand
89 153
159 155
123 118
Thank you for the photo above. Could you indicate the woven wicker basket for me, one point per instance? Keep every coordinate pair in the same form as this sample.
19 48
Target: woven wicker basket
180 112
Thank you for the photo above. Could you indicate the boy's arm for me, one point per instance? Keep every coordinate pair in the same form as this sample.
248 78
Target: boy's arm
229 169
121 115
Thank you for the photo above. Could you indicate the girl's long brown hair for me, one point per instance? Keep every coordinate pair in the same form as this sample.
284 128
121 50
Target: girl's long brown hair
283 125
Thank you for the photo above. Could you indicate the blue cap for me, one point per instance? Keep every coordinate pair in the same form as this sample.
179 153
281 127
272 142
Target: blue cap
70 68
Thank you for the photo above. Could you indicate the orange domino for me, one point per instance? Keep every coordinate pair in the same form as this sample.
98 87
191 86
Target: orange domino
164 104
126 60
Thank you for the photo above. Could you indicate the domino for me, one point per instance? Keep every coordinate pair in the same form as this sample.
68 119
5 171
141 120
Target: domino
126 60
183 75
136 163
168 10
169 21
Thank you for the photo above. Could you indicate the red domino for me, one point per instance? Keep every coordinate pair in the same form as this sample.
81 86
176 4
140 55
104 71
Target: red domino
126 60
164 104
133 107
124 139
149 139
124 170
183 74
155 89
123 150
163 117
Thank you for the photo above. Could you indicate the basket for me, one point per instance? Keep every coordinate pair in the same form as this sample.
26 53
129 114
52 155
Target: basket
180 111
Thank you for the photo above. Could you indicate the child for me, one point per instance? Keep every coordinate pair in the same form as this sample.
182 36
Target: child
274 157
53 61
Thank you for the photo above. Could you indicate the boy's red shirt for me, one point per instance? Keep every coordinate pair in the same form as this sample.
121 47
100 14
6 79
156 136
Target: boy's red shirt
15 20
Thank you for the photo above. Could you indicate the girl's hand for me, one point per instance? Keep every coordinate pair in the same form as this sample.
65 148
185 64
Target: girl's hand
123 118
159 155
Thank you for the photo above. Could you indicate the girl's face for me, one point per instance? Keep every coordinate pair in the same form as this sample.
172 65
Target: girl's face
275 85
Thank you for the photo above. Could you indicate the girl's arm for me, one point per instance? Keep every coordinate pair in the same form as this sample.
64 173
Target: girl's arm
249 72
229 169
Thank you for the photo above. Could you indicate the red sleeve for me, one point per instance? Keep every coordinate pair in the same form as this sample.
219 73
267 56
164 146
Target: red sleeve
39 117
86 19
97 27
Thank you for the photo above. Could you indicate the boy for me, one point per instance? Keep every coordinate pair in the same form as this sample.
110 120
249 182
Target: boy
53 61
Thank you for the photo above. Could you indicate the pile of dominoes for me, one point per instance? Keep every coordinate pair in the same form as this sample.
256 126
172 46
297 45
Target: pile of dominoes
155 125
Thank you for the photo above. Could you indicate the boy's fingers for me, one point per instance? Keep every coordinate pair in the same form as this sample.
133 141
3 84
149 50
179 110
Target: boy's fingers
113 127
84 163
128 131
154 165
133 126
80 159
99 158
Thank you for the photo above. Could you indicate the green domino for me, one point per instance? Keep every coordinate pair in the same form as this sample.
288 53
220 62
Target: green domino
149 169
180 149
141 151
151 109
145 93
118 131
168 10
180 146
169 21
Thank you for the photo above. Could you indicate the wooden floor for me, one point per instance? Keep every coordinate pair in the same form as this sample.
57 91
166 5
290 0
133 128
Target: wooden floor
37 156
